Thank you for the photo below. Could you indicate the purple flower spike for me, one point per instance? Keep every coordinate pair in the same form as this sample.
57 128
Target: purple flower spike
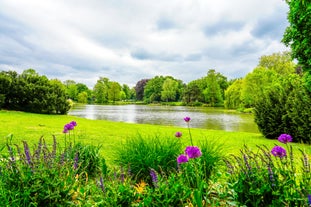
193 152
182 159
278 151
309 199
178 134
154 177
284 138
187 119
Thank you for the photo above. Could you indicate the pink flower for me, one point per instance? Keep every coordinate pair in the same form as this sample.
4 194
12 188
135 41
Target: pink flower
182 159
193 152
187 119
284 138
178 134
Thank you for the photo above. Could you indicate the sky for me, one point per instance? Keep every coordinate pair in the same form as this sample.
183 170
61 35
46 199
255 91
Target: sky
130 40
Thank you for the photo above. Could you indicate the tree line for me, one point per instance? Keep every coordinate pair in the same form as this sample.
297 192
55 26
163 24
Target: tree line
27 90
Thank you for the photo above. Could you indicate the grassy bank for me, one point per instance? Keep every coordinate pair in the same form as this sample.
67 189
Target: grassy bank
30 127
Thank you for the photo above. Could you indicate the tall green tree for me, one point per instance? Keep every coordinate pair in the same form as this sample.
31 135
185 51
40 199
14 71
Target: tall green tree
213 93
233 95
279 62
169 90
114 91
153 89
100 90
298 35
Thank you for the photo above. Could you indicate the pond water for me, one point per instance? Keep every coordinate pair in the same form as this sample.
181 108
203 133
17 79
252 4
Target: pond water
201 117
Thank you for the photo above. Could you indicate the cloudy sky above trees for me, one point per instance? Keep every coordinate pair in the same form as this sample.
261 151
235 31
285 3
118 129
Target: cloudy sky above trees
129 40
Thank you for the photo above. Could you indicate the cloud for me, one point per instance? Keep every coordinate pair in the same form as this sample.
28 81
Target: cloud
129 40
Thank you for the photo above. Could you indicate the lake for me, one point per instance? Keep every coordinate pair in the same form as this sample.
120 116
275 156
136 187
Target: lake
201 117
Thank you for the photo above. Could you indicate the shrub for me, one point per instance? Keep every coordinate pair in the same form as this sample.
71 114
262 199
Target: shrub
40 178
285 108
269 178
141 154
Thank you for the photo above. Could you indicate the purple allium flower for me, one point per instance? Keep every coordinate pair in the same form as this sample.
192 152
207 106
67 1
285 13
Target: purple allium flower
187 119
73 123
69 126
309 199
182 159
154 177
193 152
284 138
178 134
278 151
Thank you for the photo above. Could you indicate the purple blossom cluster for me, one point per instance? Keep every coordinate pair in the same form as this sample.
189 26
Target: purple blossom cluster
285 138
278 151
70 126
191 152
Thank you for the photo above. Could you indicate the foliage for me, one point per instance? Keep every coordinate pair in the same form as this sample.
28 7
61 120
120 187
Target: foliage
233 95
139 89
261 179
42 177
169 90
285 108
298 34
141 154
90 160
32 93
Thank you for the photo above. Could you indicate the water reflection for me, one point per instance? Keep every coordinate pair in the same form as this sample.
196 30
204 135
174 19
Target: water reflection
206 118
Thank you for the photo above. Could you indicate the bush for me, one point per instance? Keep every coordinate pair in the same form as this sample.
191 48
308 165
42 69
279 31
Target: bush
261 179
285 108
40 178
141 154
90 160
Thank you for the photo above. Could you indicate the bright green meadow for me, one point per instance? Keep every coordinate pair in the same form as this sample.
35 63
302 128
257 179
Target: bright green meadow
108 134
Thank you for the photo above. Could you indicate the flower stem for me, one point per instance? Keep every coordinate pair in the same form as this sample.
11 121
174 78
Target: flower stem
190 134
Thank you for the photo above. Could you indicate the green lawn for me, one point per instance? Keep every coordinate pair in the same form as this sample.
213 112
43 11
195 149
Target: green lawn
30 127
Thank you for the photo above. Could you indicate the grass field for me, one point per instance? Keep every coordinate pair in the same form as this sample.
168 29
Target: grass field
30 127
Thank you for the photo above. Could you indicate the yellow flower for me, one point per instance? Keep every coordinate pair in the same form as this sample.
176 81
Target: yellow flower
140 187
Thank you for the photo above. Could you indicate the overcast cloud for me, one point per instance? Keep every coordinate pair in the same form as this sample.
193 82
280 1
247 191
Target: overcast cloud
129 40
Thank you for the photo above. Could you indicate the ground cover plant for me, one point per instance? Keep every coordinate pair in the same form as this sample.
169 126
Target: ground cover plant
184 168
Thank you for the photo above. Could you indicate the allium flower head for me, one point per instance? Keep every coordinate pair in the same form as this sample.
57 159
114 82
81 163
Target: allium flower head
278 151
187 119
178 134
69 126
74 123
193 152
284 138
182 159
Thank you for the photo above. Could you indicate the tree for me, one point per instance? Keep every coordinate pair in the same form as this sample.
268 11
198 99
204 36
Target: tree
72 89
298 34
255 84
114 91
153 89
127 92
212 93
83 97
192 92
279 62
139 89
101 90
233 95
169 90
